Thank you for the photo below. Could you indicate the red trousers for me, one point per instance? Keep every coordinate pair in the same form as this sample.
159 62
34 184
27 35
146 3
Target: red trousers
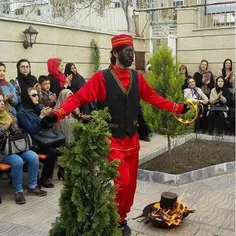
127 179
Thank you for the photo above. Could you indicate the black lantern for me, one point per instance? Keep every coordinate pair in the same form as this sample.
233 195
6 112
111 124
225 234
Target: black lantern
30 35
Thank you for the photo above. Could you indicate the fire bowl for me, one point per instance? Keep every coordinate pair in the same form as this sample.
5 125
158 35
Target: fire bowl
158 222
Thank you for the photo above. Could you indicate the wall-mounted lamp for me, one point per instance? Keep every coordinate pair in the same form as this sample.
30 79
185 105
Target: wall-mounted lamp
30 35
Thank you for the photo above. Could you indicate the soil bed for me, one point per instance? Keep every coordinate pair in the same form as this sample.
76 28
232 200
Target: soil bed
193 155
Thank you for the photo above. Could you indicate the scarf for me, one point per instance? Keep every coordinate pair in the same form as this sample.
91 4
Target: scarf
62 97
4 118
53 70
26 82
28 104
3 82
68 69
225 91
77 80
65 126
195 93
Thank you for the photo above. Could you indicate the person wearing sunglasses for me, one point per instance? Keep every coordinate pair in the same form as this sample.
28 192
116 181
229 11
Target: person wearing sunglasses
29 117
8 125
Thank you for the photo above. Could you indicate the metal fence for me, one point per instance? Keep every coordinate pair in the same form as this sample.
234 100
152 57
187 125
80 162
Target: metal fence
103 17
81 14
222 15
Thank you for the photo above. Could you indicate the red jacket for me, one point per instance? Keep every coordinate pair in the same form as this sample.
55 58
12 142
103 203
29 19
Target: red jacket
95 89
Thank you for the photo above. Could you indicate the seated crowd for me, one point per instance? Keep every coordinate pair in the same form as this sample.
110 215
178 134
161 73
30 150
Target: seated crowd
24 101
215 97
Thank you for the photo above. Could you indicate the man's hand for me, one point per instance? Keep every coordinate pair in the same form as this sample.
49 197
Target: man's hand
185 109
86 117
49 120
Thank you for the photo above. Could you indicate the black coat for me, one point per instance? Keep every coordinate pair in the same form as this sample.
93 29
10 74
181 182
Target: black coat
76 84
55 85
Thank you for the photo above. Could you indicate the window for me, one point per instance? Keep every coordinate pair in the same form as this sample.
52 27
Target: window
178 3
19 11
117 4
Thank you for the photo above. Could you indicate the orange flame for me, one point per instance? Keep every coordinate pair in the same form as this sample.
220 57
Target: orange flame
171 216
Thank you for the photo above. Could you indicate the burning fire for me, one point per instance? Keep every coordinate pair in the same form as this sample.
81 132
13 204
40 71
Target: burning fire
170 216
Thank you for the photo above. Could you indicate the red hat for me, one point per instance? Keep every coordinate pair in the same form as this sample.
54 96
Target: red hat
121 40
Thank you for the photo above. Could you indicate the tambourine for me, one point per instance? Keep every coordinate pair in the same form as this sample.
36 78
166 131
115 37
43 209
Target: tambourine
188 122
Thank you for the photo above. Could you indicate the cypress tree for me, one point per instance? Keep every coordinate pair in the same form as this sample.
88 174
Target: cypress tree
87 205
165 80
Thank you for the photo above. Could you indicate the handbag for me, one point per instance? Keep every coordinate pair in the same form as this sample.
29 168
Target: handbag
16 143
48 137
218 107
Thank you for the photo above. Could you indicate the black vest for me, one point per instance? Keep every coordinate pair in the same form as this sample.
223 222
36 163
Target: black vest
123 105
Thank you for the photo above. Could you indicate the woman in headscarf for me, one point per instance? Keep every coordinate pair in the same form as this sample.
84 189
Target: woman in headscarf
228 73
183 70
197 96
65 126
8 125
220 96
29 116
57 78
76 83
194 93
24 79
8 89
204 78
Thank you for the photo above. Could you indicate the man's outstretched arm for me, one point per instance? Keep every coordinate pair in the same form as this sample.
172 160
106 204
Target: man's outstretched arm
150 96
93 90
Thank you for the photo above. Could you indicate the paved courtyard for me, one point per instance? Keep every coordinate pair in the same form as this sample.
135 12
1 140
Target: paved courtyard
213 198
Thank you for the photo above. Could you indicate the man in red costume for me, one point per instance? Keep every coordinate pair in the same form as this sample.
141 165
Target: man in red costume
120 89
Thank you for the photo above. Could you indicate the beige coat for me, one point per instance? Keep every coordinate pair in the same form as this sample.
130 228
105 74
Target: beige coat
214 97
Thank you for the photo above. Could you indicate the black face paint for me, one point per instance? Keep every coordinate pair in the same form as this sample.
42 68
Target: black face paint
126 56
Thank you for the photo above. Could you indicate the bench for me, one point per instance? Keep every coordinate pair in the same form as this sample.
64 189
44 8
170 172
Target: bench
6 168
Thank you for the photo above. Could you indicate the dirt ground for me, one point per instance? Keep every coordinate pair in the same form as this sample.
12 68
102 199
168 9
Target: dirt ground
194 154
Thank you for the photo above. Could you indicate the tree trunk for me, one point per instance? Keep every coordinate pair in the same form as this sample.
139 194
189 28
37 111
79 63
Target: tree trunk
125 7
168 200
169 143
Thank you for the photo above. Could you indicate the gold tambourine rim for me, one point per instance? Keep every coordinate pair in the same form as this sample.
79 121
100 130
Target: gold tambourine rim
188 122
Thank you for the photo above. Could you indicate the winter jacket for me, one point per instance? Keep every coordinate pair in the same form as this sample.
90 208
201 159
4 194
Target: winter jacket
28 120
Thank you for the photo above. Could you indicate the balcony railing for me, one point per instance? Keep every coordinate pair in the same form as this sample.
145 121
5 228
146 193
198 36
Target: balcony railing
61 12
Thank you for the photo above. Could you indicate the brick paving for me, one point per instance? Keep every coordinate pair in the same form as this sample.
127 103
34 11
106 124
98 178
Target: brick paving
214 199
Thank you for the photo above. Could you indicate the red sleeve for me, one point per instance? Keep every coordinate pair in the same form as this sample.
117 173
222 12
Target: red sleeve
150 96
93 90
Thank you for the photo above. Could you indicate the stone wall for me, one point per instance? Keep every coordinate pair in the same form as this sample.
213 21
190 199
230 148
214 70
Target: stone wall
195 43
68 43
